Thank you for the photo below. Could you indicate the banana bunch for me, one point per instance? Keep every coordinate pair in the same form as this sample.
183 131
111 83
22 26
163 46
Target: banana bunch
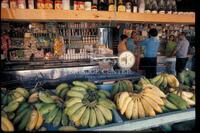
120 86
143 81
187 77
88 107
164 80
6 125
61 90
189 97
147 102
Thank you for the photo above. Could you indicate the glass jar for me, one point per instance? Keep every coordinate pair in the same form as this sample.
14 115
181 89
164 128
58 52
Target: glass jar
21 4
58 5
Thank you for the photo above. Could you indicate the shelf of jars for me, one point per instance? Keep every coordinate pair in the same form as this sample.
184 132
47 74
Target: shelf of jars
106 16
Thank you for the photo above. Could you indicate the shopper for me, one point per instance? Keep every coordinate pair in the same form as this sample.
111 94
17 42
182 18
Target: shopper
130 42
122 44
150 53
181 53
170 47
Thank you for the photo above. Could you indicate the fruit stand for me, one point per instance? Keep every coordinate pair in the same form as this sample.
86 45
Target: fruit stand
55 100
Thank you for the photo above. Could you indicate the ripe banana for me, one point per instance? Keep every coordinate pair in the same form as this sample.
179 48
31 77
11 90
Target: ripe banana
153 104
175 80
39 120
141 111
158 83
125 104
155 89
57 119
156 98
100 117
45 97
72 93
33 97
187 94
69 111
33 121
189 101
77 115
122 97
147 108
92 118
72 101
106 112
129 109
6 125
12 106
22 91
85 117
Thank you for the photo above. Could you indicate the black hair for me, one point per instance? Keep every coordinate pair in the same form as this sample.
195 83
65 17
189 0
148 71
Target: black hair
172 36
153 32
123 37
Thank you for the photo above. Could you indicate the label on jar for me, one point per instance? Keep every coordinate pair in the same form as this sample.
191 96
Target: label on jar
21 4
128 7
88 6
13 4
135 9
121 8
111 8
30 4
81 5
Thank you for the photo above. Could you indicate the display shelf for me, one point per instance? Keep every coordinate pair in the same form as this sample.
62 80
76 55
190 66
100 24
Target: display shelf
148 122
62 15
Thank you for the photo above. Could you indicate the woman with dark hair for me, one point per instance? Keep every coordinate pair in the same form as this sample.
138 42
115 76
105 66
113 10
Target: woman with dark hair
151 45
122 44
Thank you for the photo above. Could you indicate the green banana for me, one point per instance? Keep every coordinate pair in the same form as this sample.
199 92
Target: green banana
20 115
77 88
3 113
24 120
46 108
170 105
9 99
22 107
155 79
64 120
60 87
51 115
12 106
72 93
101 94
63 93
106 93
57 119
22 91
165 109
90 85
106 112
177 100
106 103
81 84
38 105
85 117
45 97
158 83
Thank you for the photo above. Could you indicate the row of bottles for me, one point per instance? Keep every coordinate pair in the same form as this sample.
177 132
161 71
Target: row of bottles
141 6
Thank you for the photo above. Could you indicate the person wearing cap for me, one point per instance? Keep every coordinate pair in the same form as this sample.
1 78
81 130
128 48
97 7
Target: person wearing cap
181 52
170 47
151 46
122 44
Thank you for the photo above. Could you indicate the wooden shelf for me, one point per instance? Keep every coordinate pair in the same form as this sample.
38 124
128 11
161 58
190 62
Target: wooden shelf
61 15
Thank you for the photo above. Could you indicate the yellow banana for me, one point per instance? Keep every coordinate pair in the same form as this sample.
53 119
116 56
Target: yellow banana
122 97
187 94
155 89
33 121
147 108
6 125
189 101
153 104
170 81
156 98
126 102
141 112
39 121
99 116
106 112
85 117
92 119
175 80
77 115
72 101
129 110
33 97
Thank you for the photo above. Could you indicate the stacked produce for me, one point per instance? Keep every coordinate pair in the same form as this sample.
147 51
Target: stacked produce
88 106
147 102
122 85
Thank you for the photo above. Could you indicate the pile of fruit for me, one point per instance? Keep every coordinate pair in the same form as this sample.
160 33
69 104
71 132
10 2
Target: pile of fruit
87 106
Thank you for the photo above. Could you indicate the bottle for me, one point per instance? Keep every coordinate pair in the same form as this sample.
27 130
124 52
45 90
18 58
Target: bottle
103 6
161 7
66 4
88 5
141 6
31 4
168 7
94 5
147 6
135 6
128 6
154 7
174 7
121 6
81 5
111 6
